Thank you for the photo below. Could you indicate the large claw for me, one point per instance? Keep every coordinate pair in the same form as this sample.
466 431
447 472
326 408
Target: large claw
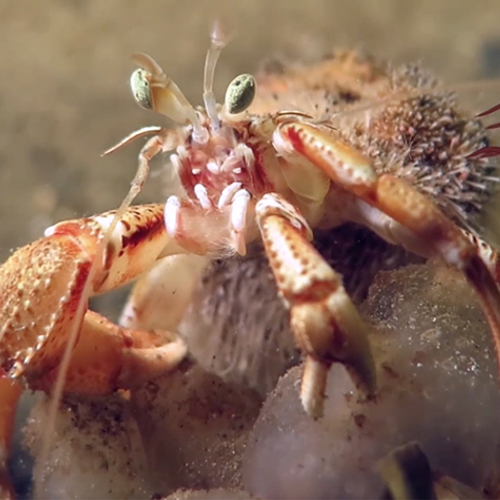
42 286
41 289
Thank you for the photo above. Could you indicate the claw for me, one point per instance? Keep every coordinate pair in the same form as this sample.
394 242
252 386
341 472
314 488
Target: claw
44 318
42 285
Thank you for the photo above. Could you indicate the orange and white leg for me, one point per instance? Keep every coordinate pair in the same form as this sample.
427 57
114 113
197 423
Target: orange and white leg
436 234
394 232
326 324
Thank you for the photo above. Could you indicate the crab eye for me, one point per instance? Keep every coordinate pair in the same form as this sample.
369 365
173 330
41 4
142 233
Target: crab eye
141 89
239 94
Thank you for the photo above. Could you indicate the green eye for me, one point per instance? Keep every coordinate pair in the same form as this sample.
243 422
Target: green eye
141 90
239 94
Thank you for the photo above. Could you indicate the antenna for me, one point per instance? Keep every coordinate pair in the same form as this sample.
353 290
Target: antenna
218 40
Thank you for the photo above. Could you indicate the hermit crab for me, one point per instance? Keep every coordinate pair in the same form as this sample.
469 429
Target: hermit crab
344 142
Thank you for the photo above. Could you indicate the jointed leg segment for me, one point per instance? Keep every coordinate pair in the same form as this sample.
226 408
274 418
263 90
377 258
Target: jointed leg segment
400 201
325 322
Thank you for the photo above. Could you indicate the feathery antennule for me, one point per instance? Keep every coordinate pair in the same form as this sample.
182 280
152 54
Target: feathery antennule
218 40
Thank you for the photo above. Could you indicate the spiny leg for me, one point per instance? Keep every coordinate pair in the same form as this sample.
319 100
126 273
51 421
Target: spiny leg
326 325
401 202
